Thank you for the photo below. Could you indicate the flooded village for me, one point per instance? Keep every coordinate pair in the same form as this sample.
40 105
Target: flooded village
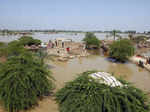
67 58
74 56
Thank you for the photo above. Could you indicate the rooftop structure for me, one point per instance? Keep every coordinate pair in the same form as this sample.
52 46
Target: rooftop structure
106 78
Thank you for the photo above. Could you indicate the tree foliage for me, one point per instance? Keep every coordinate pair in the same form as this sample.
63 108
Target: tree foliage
2 44
27 40
3 51
114 34
91 39
15 48
121 49
23 79
84 94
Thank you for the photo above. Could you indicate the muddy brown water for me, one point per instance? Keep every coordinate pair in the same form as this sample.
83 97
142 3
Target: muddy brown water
67 71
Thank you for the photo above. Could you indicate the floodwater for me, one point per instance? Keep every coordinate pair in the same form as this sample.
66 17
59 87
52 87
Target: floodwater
67 71
78 37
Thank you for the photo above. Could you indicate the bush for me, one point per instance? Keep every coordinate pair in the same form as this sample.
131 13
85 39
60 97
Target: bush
27 40
2 44
90 39
15 48
121 50
3 51
22 80
84 94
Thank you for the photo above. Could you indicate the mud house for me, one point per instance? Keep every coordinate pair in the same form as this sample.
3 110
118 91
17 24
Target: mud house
62 42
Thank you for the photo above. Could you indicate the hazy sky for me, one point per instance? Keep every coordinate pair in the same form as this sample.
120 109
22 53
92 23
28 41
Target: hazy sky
75 14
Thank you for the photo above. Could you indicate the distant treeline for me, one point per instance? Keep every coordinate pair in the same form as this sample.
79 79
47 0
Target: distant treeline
7 31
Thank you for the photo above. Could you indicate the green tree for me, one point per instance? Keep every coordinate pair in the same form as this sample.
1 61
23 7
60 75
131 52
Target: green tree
91 40
23 79
114 34
3 51
15 48
27 40
121 50
2 44
85 94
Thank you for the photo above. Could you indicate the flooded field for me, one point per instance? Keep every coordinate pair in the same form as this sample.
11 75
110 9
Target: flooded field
78 37
67 71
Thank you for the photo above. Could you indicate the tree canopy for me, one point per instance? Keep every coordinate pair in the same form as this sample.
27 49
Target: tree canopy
121 49
3 51
85 94
114 34
27 40
16 47
2 44
23 79
91 39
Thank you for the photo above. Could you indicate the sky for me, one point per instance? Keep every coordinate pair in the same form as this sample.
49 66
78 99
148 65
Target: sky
75 14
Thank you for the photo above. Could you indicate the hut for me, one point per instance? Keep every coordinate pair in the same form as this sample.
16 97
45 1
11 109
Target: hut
62 42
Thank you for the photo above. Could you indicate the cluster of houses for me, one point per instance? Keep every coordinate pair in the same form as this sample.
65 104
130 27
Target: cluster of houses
66 49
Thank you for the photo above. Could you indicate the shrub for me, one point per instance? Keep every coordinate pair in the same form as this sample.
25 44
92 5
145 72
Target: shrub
84 94
27 40
2 44
91 39
121 49
3 51
15 48
22 80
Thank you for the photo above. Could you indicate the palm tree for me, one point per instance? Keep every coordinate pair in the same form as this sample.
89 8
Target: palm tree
114 34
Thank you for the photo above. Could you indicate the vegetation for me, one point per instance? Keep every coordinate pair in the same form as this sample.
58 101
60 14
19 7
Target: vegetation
23 79
16 47
91 40
114 34
13 48
121 50
2 44
84 94
3 51
23 76
27 40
